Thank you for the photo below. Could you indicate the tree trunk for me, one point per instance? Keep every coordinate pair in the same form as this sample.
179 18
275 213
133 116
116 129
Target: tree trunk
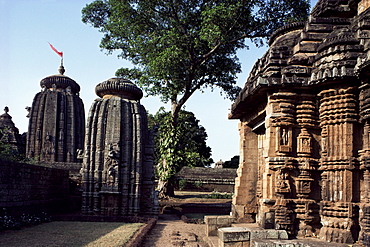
166 189
175 109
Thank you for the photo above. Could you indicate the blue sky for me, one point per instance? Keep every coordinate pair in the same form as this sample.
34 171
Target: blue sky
26 58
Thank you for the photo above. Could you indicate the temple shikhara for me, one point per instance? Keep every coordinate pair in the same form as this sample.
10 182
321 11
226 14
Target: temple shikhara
57 121
305 128
117 171
304 170
107 172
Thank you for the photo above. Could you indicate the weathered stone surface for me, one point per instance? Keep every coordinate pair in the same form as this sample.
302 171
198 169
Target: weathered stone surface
56 121
245 236
214 222
26 188
293 243
304 128
117 172
233 234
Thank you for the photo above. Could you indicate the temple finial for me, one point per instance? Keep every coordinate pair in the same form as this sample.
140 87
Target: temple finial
61 68
6 109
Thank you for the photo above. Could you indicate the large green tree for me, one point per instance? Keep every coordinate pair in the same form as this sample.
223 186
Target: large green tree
181 46
187 143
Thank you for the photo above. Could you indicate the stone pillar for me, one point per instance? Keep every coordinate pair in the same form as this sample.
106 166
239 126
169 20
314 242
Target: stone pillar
306 183
244 204
290 165
277 185
338 116
117 172
364 216
56 121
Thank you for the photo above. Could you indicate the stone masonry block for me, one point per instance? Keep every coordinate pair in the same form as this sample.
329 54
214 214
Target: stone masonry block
282 234
267 234
210 219
211 230
224 220
233 234
233 244
263 234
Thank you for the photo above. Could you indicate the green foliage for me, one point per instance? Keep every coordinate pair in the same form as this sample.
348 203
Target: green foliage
182 184
7 151
176 147
198 184
219 195
179 47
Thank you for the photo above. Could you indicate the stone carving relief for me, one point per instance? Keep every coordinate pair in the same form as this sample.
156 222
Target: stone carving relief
284 139
111 169
49 144
282 181
304 142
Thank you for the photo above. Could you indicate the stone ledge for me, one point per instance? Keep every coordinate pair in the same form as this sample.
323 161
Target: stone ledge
213 222
233 234
244 236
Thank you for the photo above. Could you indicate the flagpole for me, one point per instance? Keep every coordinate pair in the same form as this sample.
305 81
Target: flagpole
60 53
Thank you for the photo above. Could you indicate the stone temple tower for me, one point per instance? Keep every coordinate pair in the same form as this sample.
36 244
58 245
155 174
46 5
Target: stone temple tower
57 121
117 171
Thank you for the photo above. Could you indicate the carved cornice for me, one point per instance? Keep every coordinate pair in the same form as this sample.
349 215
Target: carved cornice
339 36
286 29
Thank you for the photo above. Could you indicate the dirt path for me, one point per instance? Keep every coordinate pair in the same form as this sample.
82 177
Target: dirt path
171 231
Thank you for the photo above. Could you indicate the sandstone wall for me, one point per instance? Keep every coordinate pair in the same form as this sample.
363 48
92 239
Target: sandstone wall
26 188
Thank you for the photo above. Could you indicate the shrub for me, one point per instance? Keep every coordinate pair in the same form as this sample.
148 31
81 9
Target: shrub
182 184
8 222
218 195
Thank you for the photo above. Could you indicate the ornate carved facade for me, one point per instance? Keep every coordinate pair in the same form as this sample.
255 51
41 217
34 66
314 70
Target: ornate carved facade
57 121
305 128
117 172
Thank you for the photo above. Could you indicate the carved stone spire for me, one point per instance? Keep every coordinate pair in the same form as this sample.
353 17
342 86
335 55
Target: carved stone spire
56 121
118 163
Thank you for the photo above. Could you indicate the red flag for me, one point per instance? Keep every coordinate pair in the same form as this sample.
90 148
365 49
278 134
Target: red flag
60 53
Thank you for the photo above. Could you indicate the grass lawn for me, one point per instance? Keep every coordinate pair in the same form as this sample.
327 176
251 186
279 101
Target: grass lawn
71 233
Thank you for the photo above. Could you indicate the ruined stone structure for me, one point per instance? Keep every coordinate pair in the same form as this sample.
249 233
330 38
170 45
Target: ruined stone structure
117 172
305 128
57 121
9 134
206 179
